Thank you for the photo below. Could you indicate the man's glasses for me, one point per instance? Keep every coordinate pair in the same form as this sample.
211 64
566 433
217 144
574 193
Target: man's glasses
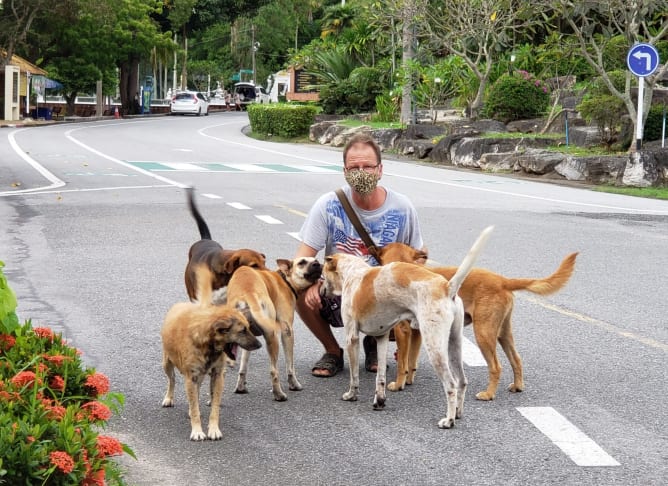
365 168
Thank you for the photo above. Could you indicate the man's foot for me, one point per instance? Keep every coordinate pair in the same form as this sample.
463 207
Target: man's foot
329 365
371 354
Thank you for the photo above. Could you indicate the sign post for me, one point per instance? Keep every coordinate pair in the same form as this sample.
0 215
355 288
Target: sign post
642 60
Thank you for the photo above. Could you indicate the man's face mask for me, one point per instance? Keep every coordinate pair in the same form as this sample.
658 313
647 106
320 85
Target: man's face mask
362 181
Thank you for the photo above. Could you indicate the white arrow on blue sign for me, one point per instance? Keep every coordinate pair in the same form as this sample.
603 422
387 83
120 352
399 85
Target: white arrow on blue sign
642 59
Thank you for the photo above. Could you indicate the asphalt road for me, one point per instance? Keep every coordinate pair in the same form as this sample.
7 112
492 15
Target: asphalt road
95 238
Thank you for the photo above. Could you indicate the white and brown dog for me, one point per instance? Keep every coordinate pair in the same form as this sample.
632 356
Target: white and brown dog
269 299
198 338
375 299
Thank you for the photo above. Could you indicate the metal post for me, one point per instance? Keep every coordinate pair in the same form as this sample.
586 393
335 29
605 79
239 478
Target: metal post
663 128
641 96
566 124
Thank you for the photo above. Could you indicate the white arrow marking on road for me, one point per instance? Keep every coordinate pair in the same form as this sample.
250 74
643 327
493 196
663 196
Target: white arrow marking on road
572 441
648 59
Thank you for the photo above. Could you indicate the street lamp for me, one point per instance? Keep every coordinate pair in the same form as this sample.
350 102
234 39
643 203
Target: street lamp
256 46
510 66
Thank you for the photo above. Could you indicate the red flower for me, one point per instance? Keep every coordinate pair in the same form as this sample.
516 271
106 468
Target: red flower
7 342
57 359
94 479
57 383
24 378
108 446
98 383
55 412
44 332
63 461
30 439
97 410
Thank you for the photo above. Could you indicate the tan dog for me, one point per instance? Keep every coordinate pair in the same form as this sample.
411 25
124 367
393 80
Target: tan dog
488 302
269 299
198 338
221 262
375 299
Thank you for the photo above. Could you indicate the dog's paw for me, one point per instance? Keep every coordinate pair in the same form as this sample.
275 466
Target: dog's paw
168 402
294 384
378 403
446 423
514 388
197 434
280 396
485 396
214 433
394 386
350 396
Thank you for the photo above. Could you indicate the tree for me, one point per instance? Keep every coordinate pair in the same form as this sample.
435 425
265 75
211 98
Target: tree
16 19
479 31
597 26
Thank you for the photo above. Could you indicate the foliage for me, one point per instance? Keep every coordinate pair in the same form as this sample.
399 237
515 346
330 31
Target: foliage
281 119
387 108
517 96
600 107
357 94
8 319
648 192
653 127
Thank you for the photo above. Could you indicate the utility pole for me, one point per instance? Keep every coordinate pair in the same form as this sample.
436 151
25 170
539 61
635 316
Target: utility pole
254 46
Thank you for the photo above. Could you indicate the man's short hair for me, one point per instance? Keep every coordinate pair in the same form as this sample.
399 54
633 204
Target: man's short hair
363 138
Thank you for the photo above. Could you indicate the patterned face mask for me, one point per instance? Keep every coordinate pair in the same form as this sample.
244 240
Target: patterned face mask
361 181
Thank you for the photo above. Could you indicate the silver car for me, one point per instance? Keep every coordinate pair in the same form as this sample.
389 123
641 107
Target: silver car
189 102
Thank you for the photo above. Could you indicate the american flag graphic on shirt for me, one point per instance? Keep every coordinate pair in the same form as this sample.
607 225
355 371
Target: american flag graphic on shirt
347 244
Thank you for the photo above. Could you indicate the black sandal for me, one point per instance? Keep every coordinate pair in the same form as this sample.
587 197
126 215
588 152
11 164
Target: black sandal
330 363
371 354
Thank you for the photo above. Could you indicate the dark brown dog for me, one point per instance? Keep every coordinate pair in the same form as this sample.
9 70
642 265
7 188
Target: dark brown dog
268 299
488 304
198 338
221 262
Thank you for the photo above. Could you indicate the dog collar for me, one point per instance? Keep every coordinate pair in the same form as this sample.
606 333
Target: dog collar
285 278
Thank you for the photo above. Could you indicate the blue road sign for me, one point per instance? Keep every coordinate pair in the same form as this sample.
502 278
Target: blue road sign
642 59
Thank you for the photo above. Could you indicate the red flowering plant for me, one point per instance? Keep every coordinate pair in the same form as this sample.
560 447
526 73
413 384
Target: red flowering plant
52 411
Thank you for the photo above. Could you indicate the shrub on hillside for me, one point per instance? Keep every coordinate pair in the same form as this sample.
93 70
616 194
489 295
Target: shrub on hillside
281 119
516 96
653 128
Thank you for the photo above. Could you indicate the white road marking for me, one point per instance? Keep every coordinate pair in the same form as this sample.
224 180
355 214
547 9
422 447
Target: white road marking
572 441
184 166
268 219
295 235
212 196
249 167
237 205
311 168
471 354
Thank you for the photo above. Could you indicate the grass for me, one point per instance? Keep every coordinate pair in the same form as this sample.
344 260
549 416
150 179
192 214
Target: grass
358 123
646 192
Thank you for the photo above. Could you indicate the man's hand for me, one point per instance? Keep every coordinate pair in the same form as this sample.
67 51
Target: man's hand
312 296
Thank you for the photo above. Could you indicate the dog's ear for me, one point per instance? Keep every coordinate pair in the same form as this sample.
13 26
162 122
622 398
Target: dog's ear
284 265
420 257
231 264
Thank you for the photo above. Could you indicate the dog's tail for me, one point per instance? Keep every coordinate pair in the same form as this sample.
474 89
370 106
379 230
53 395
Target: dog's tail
204 232
544 286
204 278
463 270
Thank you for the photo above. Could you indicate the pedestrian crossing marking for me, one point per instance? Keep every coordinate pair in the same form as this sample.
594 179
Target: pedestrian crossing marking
235 167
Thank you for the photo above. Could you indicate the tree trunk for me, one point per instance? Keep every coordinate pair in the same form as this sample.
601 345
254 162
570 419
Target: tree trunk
70 98
128 72
408 53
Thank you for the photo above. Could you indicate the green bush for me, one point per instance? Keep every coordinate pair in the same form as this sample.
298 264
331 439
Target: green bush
516 96
356 94
601 108
654 123
281 119
52 409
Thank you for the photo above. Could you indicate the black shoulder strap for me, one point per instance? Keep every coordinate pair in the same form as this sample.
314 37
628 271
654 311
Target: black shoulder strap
371 246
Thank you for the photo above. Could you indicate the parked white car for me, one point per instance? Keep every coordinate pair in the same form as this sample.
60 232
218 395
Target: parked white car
189 102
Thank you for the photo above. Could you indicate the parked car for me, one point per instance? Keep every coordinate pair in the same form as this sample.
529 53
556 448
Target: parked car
261 95
189 102
244 94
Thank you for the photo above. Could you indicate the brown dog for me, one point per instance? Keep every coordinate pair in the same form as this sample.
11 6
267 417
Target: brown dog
488 303
269 299
221 262
198 338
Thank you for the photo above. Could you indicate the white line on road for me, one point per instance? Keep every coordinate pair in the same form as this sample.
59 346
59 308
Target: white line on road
184 166
295 235
268 219
572 441
212 196
471 354
238 205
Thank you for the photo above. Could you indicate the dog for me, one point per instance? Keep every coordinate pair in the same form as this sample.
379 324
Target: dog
269 299
488 303
221 262
197 339
375 299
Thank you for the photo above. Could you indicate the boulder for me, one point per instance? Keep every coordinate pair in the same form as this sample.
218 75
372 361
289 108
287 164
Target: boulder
592 169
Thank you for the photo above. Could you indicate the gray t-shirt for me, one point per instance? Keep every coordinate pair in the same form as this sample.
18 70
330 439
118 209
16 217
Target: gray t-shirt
327 226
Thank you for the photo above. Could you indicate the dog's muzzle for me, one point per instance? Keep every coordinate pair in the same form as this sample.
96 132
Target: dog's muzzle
313 272
230 350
